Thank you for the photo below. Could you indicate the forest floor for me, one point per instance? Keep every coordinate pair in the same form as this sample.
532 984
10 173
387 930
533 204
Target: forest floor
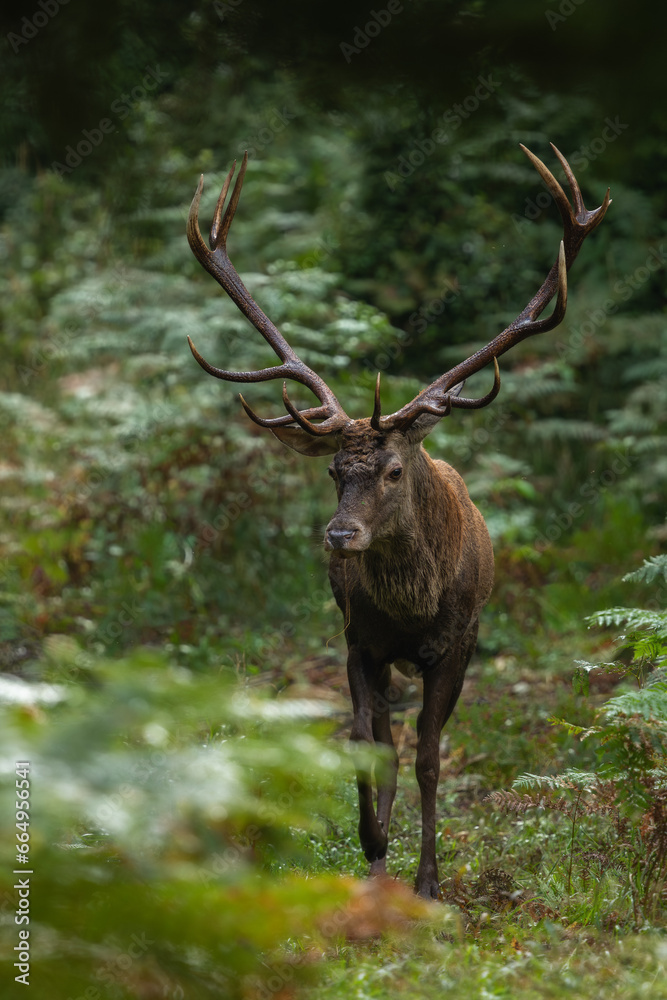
535 902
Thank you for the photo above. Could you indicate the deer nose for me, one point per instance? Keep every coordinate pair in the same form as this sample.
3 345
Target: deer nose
338 538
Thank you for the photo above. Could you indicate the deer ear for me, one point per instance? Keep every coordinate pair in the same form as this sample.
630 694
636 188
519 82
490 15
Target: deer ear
422 427
303 442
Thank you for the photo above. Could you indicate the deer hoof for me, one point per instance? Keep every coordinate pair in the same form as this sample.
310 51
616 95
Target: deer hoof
378 868
428 889
376 852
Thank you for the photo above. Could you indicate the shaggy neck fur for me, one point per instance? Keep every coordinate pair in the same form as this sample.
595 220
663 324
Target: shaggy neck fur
407 573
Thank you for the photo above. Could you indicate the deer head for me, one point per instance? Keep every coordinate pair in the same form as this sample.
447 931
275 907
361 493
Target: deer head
375 458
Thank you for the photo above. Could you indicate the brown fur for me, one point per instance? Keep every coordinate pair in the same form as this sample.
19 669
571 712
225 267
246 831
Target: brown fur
412 564
411 568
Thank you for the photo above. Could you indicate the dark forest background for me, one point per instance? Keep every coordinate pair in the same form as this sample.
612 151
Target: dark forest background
152 539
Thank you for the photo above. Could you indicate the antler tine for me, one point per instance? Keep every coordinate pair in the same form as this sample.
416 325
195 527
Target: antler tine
476 404
263 375
576 191
577 225
451 399
215 260
571 179
313 412
219 231
581 217
377 407
329 423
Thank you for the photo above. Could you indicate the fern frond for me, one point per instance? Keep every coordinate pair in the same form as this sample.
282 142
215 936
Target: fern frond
570 779
509 801
566 430
586 666
650 570
650 703
634 618
573 729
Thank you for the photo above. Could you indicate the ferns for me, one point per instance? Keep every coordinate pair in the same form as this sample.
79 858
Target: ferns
569 779
550 429
646 635
629 784
635 618
542 794
649 571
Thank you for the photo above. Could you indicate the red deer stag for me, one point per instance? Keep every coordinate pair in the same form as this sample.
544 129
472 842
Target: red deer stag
411 560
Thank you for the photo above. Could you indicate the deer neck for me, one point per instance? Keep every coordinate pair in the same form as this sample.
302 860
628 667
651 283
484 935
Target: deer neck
407 572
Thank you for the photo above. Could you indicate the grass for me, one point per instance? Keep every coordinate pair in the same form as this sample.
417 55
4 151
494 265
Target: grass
532 903
547 962
527 908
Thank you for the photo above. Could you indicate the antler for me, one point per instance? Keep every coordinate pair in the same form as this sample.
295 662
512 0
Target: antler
443 394
216 261
439 397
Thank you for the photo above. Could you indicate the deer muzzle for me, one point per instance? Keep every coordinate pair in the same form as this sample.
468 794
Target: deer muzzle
339 538
347 537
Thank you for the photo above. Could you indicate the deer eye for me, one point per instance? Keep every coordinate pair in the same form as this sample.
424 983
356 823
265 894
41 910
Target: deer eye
396 473
332 472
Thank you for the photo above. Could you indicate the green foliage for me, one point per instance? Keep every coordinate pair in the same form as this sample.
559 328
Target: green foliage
646 636
141 507
629 782
650 571
149 482
163 812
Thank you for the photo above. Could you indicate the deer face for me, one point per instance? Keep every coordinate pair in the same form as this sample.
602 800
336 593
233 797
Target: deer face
374 473
371 472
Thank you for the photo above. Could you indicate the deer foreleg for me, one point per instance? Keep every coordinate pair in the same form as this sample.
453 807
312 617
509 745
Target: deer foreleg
441 690
371 833
428 772
386 770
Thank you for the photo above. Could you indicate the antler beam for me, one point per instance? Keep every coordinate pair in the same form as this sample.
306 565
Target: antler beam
438 398
216 261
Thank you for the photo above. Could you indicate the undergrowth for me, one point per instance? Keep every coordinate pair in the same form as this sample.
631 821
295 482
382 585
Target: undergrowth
617 811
